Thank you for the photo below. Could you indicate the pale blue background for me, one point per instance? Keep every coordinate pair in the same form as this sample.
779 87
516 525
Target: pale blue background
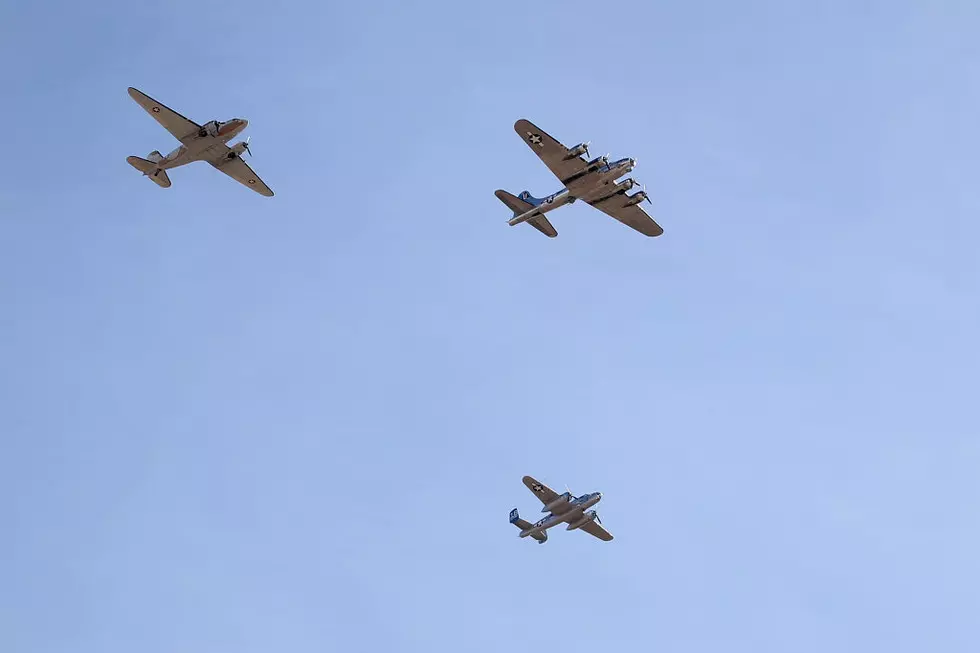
233 424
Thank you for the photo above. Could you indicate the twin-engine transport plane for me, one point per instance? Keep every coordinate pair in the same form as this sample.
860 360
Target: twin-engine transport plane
205 142
592 181
564 508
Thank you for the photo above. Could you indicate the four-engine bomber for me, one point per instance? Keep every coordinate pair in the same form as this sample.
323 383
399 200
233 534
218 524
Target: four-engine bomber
592 181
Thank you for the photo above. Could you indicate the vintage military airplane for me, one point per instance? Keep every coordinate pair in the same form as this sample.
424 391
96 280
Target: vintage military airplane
564 508
593 182
205 142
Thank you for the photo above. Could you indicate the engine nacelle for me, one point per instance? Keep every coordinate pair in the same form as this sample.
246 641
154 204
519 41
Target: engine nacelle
578 150
236 150
561 500
208 129
636 199
589 516
598 162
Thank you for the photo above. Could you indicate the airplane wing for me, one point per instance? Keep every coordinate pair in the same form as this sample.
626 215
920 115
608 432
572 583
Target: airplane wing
596 529
632 216
238 170
172 121
550 151
541 491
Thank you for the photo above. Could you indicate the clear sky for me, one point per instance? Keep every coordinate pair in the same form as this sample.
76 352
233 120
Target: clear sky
232 424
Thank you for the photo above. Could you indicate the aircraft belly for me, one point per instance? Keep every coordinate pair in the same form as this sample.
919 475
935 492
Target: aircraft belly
592 191
212 151
583 185
572 515
594 184
561 510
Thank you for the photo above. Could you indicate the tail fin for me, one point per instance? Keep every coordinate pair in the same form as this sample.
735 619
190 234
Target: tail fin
154 157
149 169
515 519
518 204
523 203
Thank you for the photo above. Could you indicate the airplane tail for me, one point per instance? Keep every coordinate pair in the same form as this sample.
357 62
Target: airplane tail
523 203
525 525
150 169
518 203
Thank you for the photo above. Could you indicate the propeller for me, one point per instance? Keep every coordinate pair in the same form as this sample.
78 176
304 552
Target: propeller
597 518
645 196
586 145
246 146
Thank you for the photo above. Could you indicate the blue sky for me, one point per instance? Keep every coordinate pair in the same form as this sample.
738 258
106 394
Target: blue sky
232 423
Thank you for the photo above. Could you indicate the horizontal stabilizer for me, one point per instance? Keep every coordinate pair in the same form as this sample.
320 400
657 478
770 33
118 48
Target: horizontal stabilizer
516 520
524 525
149 169
520 207
514 203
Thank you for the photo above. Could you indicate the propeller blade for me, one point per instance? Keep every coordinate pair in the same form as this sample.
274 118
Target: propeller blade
587 155
246 146
597 518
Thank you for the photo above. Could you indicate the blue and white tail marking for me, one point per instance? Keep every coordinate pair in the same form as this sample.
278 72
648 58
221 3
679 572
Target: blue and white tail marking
523 204
526 526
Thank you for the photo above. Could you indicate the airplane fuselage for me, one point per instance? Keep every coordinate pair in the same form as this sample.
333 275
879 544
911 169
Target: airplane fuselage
201 145
571 511
593 185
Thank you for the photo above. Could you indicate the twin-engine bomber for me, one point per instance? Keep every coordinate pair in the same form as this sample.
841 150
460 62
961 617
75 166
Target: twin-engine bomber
592 181
565 509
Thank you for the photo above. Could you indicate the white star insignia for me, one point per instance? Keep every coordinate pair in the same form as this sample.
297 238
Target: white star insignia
156 109
535 139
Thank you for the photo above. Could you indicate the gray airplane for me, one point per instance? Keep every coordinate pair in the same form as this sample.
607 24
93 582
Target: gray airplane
563 508
592 181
